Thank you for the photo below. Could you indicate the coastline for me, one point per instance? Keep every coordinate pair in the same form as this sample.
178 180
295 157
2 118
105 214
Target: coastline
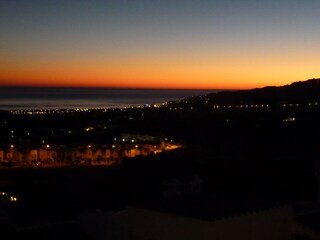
75 98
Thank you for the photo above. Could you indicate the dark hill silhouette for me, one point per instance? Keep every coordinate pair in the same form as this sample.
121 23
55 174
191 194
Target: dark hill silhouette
297 92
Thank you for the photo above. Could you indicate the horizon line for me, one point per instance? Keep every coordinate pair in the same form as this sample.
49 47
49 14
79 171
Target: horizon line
131 88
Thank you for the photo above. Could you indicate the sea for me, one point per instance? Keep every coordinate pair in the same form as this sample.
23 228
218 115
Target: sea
14 98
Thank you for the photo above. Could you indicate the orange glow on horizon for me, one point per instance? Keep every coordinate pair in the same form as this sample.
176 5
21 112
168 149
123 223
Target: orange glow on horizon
179 72
178 83
144 84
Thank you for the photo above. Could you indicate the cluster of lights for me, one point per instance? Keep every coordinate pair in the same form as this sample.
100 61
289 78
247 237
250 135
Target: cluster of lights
292 119
105 109
290 105
313 104
242 106
95 151
297 105
89 129
261 105
246 106
124 140
73 110
11 199
53 111
41 112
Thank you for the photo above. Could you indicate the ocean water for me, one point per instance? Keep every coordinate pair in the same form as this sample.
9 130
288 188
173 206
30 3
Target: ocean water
12 98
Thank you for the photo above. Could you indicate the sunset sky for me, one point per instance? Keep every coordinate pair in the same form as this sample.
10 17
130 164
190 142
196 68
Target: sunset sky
229 44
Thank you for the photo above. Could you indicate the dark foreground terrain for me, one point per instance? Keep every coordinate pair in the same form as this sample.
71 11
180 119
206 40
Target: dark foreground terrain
244 150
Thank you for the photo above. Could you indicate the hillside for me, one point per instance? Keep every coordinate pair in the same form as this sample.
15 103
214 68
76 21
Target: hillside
297 92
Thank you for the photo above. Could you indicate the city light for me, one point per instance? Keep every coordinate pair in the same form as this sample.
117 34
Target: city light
13 199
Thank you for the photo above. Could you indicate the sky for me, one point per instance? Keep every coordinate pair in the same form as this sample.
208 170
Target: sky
199 44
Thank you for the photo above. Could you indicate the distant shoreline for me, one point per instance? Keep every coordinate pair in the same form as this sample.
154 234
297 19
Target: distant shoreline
29 98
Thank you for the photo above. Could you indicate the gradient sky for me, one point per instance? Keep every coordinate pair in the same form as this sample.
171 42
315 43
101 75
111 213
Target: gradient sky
159 44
